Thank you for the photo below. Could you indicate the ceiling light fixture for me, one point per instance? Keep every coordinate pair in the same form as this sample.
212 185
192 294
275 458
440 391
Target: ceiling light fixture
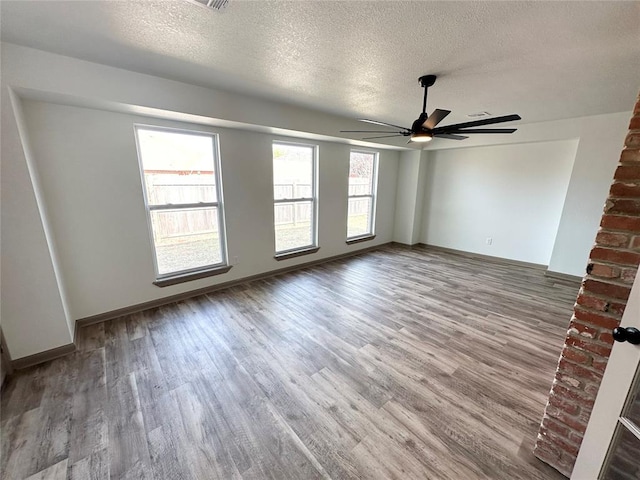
421 137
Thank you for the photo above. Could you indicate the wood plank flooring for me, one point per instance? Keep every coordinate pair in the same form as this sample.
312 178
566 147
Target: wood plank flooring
399 363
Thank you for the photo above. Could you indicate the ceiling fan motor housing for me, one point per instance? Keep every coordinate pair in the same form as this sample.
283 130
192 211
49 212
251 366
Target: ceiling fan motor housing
417 125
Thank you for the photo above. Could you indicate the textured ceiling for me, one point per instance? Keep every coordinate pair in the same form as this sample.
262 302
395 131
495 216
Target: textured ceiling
543 60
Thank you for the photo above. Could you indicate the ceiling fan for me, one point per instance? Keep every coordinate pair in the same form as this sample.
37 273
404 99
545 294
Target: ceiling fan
425 127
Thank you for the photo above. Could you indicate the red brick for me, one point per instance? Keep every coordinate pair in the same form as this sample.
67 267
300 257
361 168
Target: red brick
576 356
625 190
635 243
608 289
578 372
568 380
630 155
627 172
592 302
632 140
617 222
592 389
597 319
576 396
582 329
600 364
561 443
546 451
628 275
616 309
564 405
576 423
615 256
604 271
565 464
623 206
588 345
575 438
606 337
612 239
556 427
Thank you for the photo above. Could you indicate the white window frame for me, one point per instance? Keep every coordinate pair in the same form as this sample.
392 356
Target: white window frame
313 199
373 195
218 205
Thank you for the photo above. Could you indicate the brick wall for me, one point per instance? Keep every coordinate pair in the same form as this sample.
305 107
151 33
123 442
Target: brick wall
612 267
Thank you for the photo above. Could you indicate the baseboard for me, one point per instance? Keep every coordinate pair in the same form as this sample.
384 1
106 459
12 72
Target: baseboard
507 261
42 357
113 314
562 276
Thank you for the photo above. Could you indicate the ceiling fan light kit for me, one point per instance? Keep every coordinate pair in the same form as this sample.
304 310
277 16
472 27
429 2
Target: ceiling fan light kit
425 128
421 137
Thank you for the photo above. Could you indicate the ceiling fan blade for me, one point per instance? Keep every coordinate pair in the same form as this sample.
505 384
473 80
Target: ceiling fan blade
368 131
486 130
381 123
477 123
383 136
450 136
435 118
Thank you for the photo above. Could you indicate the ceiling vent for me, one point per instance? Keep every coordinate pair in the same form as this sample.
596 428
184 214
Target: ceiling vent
478 115
217 5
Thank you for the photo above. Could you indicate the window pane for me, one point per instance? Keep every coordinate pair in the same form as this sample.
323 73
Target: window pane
186 239
359 217
178 167
293 225
622 463
632 409
361 173
292 171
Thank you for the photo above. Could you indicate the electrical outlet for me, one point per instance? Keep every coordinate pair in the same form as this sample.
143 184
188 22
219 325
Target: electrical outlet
489 240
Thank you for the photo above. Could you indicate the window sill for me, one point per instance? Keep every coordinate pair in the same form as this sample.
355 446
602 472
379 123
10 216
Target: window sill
296 253
365 238
187 277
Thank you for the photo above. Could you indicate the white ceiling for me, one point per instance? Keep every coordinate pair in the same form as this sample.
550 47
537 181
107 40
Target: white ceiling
543 60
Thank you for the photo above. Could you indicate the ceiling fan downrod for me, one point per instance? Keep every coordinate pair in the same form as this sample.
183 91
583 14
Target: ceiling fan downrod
426 81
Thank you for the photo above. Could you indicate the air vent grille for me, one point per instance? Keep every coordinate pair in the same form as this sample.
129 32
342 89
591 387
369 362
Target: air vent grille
214 4
478 115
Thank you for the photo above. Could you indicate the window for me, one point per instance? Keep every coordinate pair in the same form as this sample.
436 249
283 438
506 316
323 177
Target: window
294 194
363 167
181 179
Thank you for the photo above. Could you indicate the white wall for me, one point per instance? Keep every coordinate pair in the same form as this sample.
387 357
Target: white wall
412 177
37 236
511 193
600 140
31 306
90 180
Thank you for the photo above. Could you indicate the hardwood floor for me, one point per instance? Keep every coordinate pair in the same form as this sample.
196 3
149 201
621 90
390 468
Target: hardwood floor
399 363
